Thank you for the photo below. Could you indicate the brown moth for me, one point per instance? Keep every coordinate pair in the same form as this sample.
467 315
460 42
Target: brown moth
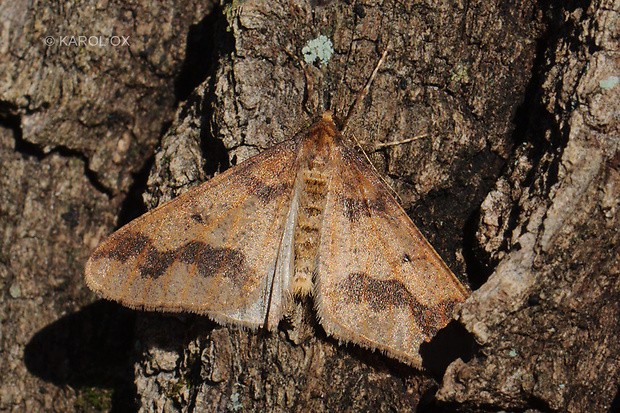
308 216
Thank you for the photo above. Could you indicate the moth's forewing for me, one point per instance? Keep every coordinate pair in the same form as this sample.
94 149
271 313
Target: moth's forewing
212 250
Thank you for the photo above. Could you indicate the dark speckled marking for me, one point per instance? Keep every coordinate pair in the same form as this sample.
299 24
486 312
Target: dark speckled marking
256 185
266 193
156 263
380 295
355 208
197 218
124 247
211 261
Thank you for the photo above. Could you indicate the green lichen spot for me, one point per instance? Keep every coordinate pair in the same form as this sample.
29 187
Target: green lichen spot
320 49
609 83
460 74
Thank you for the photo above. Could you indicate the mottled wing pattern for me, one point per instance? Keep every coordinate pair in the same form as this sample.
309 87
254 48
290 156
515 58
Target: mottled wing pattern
212 250
379 283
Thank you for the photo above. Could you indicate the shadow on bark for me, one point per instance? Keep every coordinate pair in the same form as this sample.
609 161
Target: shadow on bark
93 347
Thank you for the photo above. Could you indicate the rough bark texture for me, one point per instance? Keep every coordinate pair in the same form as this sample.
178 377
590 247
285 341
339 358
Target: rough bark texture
517 178
547 318
77 121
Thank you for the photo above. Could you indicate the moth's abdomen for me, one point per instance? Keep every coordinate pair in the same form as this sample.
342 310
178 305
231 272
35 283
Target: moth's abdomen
307 230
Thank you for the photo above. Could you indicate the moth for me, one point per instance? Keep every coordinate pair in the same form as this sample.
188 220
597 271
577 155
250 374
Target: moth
307 217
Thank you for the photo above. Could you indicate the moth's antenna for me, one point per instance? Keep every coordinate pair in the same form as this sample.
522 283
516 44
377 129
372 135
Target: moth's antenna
309 89
389 144
309 97
362 94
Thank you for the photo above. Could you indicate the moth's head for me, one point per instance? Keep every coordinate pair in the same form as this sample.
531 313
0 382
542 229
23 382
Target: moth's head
328 125
329 117
323 135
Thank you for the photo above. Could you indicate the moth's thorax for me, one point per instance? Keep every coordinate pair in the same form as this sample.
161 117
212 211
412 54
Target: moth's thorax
321 139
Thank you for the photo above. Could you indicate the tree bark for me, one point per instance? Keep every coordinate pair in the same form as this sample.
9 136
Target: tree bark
547 318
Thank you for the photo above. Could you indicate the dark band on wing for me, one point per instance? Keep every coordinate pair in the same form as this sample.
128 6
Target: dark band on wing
210 261
382 294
